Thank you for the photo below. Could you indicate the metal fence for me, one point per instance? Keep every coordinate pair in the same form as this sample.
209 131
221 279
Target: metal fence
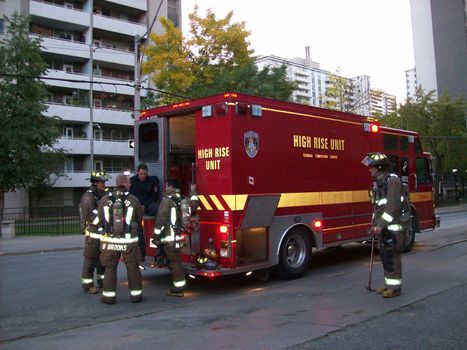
44 221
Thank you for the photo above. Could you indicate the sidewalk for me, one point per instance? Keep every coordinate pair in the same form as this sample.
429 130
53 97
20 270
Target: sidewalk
45 244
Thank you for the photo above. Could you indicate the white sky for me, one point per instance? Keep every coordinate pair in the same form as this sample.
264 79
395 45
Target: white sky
362 37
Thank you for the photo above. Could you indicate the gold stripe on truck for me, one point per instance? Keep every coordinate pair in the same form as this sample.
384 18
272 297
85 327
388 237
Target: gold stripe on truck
301 199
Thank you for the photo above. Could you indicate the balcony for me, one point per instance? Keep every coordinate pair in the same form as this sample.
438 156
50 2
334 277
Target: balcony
116 56
68 113
112 116
64 47
81 114
60 74
101 83
137 4
74 145
118 26
101 147
71 18
113 148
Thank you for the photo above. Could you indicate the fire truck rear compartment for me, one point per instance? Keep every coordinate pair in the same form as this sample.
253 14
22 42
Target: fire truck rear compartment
251 245
182 150
252 235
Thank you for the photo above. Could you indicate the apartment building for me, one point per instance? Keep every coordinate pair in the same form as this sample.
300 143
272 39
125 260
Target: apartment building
382 103
83 41
411 82
313 81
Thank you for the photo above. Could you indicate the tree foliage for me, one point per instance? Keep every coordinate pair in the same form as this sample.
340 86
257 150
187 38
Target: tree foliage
337 93
344 95
26 135
441 124
214 58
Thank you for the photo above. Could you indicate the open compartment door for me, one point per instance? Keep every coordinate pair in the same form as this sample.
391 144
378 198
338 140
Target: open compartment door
252 233
259 211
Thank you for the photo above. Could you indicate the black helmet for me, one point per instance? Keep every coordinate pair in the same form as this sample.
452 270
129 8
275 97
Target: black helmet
377 160
99 175
206 263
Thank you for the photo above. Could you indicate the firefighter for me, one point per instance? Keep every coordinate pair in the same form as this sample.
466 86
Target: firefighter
92 231
121 213
386 221
168 230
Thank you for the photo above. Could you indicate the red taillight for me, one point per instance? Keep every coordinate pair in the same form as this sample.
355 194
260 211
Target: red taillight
224 241
211 274
317 224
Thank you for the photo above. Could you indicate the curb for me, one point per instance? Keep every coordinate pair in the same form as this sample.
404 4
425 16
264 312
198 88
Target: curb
40 251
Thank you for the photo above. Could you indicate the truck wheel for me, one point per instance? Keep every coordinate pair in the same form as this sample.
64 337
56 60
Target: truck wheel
409 236
294 254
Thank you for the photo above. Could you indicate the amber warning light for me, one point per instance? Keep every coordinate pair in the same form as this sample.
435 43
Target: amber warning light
372 127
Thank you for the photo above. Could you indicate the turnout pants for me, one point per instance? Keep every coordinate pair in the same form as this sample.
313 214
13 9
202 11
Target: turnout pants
91 262
175 265
131 257
390 247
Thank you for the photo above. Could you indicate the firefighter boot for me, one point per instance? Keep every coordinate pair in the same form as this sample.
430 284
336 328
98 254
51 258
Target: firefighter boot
136 299
381 290
175 293
108 301
91 290
390 293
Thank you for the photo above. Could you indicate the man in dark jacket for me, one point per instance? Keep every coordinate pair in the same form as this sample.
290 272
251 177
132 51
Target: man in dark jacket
91 228
146 189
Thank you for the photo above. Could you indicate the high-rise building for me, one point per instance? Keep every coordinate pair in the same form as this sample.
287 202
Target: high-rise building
440 45
411 82
83 41
382 103
313 81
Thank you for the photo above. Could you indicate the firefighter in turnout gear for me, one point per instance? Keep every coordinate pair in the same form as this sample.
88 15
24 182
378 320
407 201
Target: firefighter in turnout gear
92 230
386 222
121 213
168 232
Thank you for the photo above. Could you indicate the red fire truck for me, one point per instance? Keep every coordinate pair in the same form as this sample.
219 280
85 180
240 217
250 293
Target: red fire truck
276 179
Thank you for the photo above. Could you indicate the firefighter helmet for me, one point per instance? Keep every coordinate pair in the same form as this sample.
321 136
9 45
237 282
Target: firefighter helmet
204 262
211 253
99 175
377 160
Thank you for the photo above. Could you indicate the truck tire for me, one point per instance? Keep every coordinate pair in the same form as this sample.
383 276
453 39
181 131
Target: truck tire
409 235
294 254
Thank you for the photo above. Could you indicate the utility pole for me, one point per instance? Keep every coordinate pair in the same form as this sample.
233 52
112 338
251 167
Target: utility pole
91 77
137 100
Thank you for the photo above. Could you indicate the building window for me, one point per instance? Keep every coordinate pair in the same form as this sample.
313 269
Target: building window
172 13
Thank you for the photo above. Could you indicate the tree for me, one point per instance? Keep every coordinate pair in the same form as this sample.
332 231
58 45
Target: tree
337 92
345 95
26 135
441 124
214 58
